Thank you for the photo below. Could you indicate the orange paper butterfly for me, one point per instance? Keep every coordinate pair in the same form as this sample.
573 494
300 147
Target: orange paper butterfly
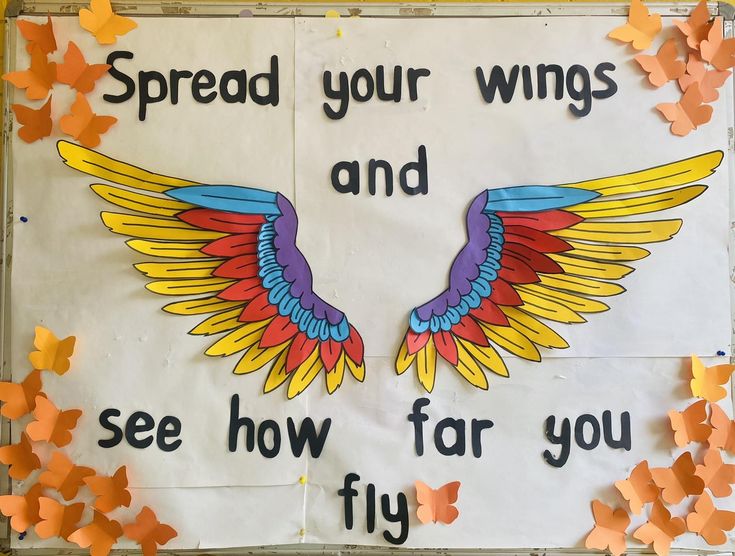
717 475
57 520
678 481
20 457
639 489
641 28
717 50
723 430
664 65
709 80
690 425
36 124
76 72
103 23
52 424
148 532
609 529
98 536
22 509
437 504
83 124
111 492
64 476
20 399
696 26
709 522
687 114
40 35
660 530
37 80
707 382
53 354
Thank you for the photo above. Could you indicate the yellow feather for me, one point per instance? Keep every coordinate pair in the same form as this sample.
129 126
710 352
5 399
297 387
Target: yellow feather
426 365
304 374
193 269
168 249
469 369
486 356
357 371
221 322
576 284
622 232
201 306
256 358
336 375
194 286
531 293
247 335
643 204
621 253
591 269
511 340
549 308
106 168
148 227
660 177
404 359
146 204
277 374
533 329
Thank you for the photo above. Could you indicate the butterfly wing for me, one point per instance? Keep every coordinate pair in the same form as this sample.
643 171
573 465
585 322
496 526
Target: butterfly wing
445 496
36 124
656 73
38 35
65 423
425 496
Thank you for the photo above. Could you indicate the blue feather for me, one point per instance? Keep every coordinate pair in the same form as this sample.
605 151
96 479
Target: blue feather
417 325
534 198
229 198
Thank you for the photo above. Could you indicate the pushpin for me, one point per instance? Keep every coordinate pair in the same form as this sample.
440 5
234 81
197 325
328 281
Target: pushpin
302 532
24 219
302 480
339 32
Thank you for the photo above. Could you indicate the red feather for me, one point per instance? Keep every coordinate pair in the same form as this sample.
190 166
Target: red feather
414 342
540 241
232 246
468 329
544 221
446 347
242 290
279 330
258 309
490 313
300 350
504 294
516 271
244 266
353 346
329 352
537 261
220 221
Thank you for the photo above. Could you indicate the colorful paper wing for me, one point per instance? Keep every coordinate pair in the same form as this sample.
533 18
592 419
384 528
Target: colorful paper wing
20 458
22 509
664 65
36 124
103 23
51 424
690 425
38 79
235 248
709 80
717 475
641 28
538 253
638 489
678 481
696 27
660 530
148 532
77 73
609 530
437 504
57 520
723 430
687 114
83 124
709 522
98 536
707 381
716 50
38 35
53 354
64 476
20 399
111 492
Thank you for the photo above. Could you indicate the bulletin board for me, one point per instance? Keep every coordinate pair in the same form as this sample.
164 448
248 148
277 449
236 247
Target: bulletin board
381 276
